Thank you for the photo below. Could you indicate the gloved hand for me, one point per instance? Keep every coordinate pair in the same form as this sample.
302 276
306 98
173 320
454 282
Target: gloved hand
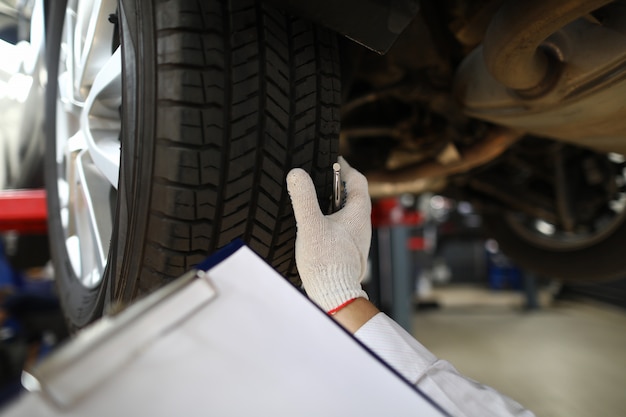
332 251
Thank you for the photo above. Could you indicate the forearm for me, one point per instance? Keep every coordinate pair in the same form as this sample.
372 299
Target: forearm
356 314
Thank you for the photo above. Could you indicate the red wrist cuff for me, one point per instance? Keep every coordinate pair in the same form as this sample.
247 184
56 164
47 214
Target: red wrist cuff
340 306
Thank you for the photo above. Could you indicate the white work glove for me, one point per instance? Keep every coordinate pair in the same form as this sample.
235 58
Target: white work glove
332 251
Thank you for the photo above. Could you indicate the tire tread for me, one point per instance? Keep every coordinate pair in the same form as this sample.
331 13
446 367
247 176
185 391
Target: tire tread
260 95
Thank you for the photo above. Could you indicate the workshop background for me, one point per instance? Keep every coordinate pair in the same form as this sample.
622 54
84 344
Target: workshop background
558 349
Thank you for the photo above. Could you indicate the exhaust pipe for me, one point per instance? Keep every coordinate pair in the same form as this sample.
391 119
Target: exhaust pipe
512 49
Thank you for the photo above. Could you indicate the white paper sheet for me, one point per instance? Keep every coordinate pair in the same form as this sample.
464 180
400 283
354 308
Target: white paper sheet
258 347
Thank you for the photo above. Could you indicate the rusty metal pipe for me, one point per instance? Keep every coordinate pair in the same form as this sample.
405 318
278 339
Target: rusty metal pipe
419 178
496 142
512 43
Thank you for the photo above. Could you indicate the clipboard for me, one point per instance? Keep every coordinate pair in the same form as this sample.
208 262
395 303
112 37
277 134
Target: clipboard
231 338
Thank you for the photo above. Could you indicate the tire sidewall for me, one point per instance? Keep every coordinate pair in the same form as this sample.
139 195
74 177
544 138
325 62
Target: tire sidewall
137 149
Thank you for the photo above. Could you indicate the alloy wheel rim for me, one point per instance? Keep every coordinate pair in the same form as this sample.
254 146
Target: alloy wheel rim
87 136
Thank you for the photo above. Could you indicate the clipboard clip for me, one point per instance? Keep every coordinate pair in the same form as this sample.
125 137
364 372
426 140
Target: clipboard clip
114 341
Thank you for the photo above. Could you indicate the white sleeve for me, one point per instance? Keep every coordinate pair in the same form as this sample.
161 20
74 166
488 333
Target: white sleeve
458 395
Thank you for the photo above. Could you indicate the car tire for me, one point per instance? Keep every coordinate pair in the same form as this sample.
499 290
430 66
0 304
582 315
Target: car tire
219 100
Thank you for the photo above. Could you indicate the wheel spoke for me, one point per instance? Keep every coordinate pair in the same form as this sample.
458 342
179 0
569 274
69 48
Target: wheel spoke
100 123
72 245
92 46
92 216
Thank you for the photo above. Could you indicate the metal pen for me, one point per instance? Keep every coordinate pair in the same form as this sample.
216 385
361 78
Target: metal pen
338 196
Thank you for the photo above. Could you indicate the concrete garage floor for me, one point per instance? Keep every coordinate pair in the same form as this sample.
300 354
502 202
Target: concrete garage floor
566 359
